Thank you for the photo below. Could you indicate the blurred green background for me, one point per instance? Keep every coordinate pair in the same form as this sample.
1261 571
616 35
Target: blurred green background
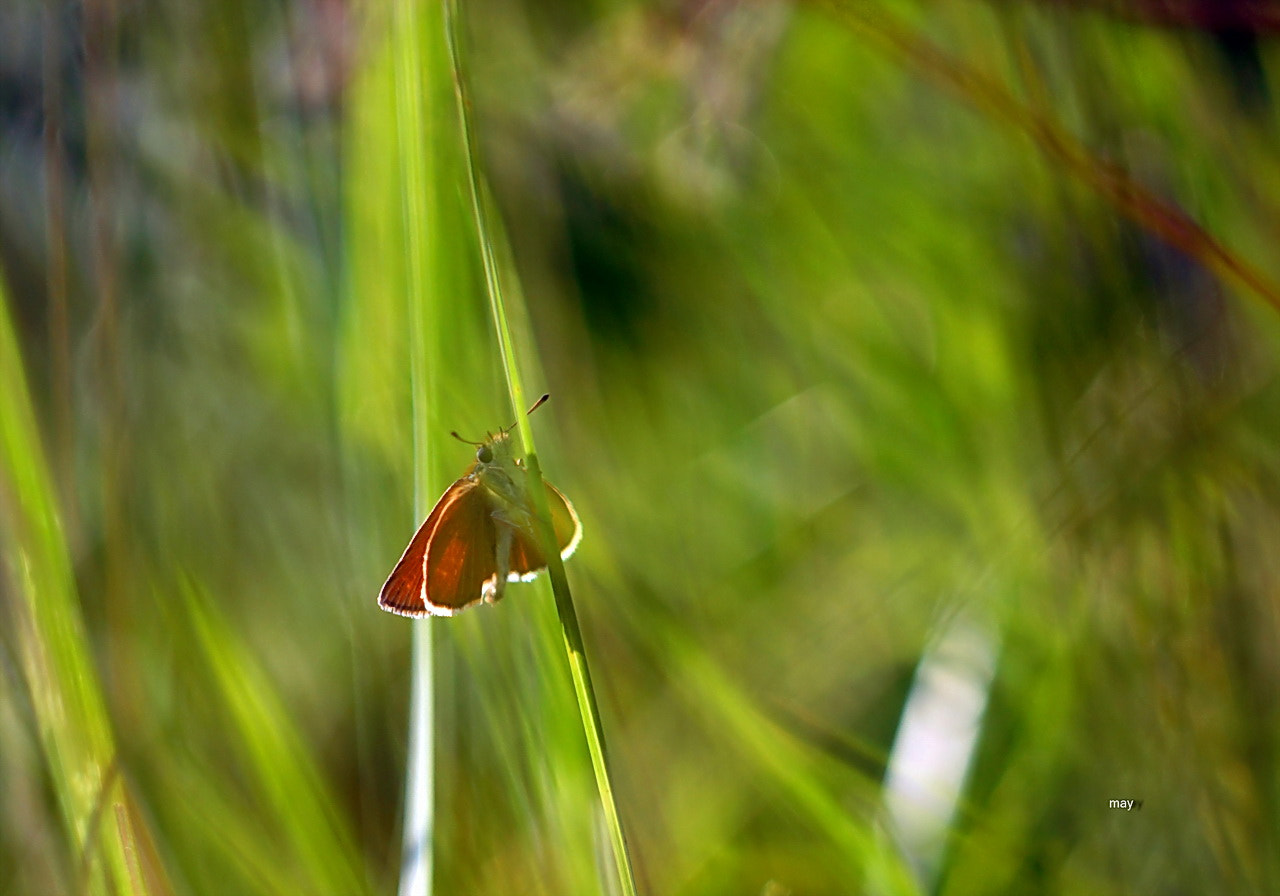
896 349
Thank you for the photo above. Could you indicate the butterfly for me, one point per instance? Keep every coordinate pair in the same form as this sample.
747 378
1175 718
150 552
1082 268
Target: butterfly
480 535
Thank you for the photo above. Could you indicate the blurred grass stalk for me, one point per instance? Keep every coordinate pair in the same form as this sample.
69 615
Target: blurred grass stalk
412 52
937 737
56 660
288 785
487 236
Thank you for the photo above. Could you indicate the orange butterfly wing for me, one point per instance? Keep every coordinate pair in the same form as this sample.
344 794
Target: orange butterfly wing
526 558
460 515
402 592
461 552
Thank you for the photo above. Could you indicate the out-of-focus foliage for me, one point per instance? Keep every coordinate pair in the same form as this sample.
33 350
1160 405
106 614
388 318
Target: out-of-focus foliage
841 351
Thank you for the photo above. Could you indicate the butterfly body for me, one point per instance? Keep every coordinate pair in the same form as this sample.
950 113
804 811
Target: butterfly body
480 535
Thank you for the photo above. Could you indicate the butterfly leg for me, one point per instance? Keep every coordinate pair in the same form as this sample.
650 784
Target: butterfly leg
502 556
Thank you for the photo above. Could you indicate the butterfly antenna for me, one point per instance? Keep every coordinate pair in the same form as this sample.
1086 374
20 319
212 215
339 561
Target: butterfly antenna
537 404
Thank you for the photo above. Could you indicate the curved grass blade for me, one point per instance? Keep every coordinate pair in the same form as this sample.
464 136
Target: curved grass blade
54 652
570 630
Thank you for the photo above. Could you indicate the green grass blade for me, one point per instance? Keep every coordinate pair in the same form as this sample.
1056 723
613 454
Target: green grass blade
403 328
409 44
570 630
50 640
316 834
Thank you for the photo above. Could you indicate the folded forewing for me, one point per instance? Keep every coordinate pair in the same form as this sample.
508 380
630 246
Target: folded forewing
460 553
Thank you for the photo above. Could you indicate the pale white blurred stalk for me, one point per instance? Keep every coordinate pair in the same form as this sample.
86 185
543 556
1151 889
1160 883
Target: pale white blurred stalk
418 846
416 859
936 739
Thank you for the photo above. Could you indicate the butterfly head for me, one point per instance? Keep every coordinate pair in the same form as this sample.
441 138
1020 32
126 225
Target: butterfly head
496 451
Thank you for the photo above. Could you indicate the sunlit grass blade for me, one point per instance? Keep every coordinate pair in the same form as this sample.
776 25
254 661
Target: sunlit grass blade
318 840
487 235
402 323
409 46
49 638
